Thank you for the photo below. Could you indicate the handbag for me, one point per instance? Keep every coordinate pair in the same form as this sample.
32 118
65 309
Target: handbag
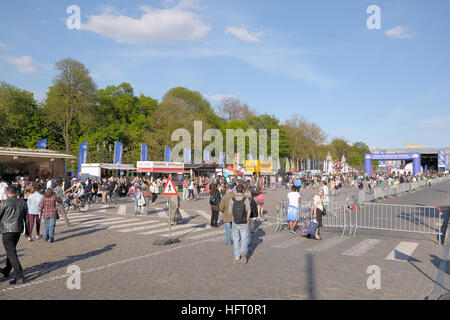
324 212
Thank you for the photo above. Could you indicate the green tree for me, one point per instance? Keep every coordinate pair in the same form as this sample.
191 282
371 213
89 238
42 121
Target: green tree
72 96
20 117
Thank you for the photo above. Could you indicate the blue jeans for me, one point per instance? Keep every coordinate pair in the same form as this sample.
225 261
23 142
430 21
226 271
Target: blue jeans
228 232
240 232
49 228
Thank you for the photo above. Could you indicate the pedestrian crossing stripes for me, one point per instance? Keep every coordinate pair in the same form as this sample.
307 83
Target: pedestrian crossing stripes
133 229
362 247
403 252
327 244
178 227
204 214
196 228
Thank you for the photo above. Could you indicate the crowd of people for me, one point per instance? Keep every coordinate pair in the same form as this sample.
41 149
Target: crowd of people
25 204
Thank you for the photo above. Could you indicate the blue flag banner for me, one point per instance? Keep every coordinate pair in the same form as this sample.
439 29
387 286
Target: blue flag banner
167 154
309 164
42 144
441 158
270 159
261 157
206 155
279 166
118 148
250 156
426 168
82 156
222 159
144 152
187 155
382 164
447 162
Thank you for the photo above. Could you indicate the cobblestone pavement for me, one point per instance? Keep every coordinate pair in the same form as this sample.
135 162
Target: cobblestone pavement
115 252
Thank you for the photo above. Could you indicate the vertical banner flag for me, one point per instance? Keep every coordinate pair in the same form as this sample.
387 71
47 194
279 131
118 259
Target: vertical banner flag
441 158
82 157
222 159
309 164
144 152
42 144
261 157
301 163
298 168
187 155
206 155
287 165
250 156
425 169
447 162
118 148
167 154
382 164
278 165
270 159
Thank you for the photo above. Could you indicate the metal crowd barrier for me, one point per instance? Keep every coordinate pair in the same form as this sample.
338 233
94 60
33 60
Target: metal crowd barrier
282 210
398 218
337 215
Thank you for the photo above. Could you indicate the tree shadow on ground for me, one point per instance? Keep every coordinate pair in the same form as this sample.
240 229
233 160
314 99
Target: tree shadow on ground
42 269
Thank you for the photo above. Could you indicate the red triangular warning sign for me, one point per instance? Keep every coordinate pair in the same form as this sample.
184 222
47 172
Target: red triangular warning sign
169 189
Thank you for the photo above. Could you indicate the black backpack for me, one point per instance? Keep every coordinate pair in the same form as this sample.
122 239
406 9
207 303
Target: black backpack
239 212
214 200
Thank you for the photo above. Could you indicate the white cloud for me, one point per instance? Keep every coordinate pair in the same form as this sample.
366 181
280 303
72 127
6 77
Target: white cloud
244 35
218 97
177 24
436 122
23 64
3 45
400 32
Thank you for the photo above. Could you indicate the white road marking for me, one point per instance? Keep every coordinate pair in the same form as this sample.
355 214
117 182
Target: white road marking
361 248
175 228
327 244
204 214
143 227
93 222
205 235
289 243
133 224
184 214
403 251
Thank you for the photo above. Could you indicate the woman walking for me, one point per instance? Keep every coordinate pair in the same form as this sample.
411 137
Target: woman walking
34 202
214 201
59 192
49 213
295 199
318 211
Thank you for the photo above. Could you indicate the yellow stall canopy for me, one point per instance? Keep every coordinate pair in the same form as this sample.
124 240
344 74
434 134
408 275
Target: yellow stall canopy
258 166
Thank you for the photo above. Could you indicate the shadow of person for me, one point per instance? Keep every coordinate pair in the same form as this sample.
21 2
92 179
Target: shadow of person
42 269
256 238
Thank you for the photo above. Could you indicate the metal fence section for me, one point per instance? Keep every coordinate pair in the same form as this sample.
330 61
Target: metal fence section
282 210
398 218
337 215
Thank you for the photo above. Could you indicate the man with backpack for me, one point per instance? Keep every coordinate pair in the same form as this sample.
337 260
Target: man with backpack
240 209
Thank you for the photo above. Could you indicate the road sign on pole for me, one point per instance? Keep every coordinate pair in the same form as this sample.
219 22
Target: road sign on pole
169 189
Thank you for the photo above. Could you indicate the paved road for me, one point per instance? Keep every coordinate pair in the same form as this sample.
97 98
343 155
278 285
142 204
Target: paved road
118 259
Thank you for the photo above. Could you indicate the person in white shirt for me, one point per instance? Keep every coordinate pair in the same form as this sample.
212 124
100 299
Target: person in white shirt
326 192
318 211
3 186
295 199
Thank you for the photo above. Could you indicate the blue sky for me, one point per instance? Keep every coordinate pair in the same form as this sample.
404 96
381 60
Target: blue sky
318 59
